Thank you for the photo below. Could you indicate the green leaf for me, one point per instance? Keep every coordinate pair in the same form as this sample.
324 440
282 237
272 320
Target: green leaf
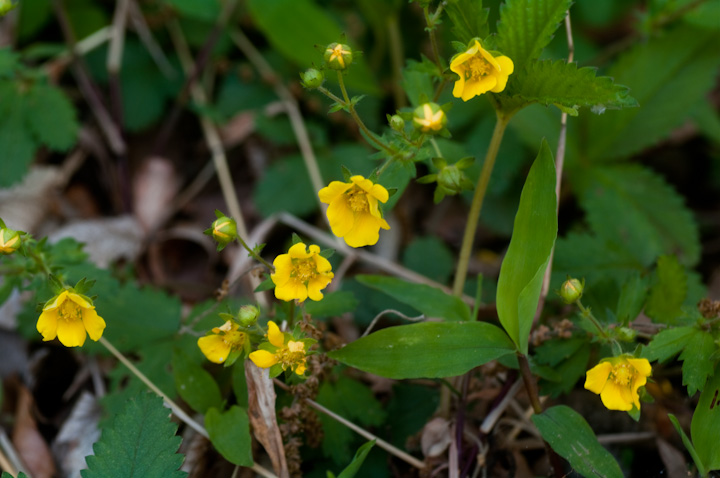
568 371
527 26
51 117
230 434
196 386
18 145
572 438
558 350
295 26
410 407
688 445
426 350
430 257
706 423
533 237
668 293
332 305
206 10
430 301
697 365
632 298
239 384
564 84
5 474
636 206
469 19
285 187
351 470
668 343
140 443
666 75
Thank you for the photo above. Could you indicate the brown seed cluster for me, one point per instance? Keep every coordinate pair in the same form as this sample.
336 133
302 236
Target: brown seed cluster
710 309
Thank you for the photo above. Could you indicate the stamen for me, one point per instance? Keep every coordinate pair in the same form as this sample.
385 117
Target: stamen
358 200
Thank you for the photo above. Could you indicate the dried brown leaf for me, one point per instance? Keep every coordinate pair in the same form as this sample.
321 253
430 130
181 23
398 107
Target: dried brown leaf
28 441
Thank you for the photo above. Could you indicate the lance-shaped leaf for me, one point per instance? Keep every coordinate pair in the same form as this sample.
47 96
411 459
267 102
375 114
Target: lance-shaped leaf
527 257
426 350
706 423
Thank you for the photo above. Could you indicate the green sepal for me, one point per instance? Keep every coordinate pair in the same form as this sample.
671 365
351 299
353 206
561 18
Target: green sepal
634 413
427 179
465 163
459 47
83 286
296 239
335 107
346 173
439 163
225 316
275 370
2 224
234 355
391 192
327 253
55 284
219 213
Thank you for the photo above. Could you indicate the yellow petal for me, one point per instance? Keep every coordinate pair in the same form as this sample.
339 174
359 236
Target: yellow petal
79 300
597 377
459 88
291 290
275 337
283 268
478 87
366 230
263 358
364 184
57 302
47 324
93 323
616 397
340 216
300 368
296 346
642 366
489 58
71 333
507 66
214 348
314 287
332 191
322 264
314 249
298 251
379 192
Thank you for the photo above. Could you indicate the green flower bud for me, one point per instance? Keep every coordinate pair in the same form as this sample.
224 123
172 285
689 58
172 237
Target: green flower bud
312 78
248 315
10 241
6 6
625 334
571 290
397 123
338 56
429 118
224 231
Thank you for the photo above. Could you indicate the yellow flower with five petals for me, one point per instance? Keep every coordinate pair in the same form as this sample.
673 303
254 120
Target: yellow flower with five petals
281 352
226 342
617 380
301 273
70 317
479 72
354 213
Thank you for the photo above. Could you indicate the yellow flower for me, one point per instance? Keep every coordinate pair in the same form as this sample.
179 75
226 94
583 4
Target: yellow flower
301 273
281 350
224 340
354 214
479 72
429 118
617 380
68 316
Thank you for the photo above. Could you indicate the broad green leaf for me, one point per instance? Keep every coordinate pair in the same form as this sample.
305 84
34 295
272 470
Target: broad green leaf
430 257
195 385
206 10
140 443
568 371
51 117
697 365
557 350
572 438
294 27
706 423
530 247
332 305
668 343
668 292
526 27
688 445
632 298
426 350
239 383
230 434
559 83
469 19
430 301
351 470
633 205
666 75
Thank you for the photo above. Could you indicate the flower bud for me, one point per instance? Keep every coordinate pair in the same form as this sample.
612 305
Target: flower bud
625 334
10 241
312 78
6 6
248 315
571 290
338 56
429 118
224 230
397 123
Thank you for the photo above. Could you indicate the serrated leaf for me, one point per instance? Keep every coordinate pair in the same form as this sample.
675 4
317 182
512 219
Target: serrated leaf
230 434
572 438
531 244
426 350
430 301
667 294
469 19
196 386
566 86
51 117
633 205
140 443
706 423
665 74
527 26
632 298
668 343
697 366
18 145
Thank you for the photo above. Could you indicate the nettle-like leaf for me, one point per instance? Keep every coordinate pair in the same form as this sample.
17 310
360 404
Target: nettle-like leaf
566 86
526 27
140 443
668 293
635 207
469 19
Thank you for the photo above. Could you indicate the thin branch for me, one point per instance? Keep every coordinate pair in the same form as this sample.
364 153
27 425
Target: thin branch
143 31
391 311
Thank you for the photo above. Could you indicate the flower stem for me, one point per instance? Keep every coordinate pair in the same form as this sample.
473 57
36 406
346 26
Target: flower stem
477 201
255 255
587 313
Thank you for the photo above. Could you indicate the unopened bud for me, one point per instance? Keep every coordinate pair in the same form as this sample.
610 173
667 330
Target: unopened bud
312 78
6 6
571 290
338 56
10 241
224 230
429 118
248 315
625 334
397 123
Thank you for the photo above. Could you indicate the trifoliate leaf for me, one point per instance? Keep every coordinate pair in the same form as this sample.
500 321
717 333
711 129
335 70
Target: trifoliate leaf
668 292
51 117
140 443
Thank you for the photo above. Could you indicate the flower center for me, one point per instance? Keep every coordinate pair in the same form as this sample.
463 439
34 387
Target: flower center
304 269
293 354
70 311
234 338
358 200
477 67
623 374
